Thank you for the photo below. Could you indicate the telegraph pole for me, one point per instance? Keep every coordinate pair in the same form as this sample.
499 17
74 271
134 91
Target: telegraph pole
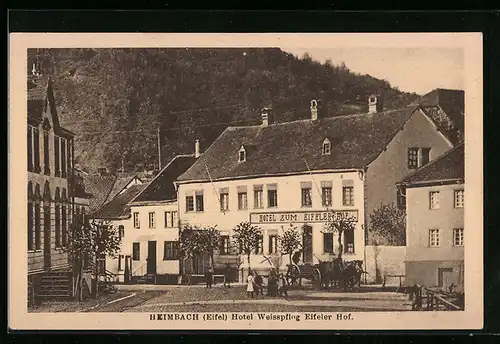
159 150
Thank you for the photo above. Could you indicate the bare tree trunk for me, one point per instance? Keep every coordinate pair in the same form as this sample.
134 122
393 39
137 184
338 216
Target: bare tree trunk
341 247
96 282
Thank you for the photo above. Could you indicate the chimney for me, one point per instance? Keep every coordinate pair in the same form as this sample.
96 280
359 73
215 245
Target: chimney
197 149
375 103
314 109
267 117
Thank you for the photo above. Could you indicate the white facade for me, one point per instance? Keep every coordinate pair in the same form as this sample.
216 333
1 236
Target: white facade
289 199
163 229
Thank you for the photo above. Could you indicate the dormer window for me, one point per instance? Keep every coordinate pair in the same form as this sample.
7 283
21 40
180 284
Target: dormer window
242 154
327 147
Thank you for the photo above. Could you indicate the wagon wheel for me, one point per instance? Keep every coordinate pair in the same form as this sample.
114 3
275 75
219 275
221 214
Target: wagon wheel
293 274
316 278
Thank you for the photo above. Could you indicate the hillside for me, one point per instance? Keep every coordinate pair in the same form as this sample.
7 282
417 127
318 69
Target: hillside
116 99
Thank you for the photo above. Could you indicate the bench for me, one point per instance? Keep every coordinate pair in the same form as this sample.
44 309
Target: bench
397 276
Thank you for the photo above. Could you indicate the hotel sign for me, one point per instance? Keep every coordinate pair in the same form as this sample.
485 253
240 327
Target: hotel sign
303 216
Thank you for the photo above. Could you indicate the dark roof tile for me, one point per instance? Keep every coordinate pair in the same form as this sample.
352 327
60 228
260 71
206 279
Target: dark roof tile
162 188
100 187
118 207
287 147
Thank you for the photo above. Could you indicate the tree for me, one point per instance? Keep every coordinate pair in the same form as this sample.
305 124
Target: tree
342 223
389 221
246 237
289 241
197 241
91 239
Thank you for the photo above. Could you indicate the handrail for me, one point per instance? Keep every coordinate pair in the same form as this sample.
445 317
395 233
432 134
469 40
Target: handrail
432 298
139 268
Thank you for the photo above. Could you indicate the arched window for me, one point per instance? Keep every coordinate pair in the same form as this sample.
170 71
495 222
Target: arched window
31 229
37 220
57 218
46 192
327 147
242 154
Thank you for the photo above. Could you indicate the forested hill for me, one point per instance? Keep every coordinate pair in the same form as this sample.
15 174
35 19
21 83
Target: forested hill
116 99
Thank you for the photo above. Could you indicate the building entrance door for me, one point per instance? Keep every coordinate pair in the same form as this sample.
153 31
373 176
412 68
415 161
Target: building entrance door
307 244
445 277
46 238
151 264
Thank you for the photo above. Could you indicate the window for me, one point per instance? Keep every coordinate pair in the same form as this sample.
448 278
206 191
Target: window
326 147
273 243
401 198
348 195
30 226
224 201
46 156
224 245
189 203
58 224
175 219
259 247
121 232
38 241
242 154
63 158
459 198
418 157
433 237
56 156
349 241
306 197
120 258
458 237
242 201
152 220
30 148
36 149
199 202
326 196
170 250
64 226
258 195
136 220
434 199
272 196
328 242
136 251
168 219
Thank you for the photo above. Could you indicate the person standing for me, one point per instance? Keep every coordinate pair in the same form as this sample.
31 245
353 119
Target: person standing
209 277
250 282
227 276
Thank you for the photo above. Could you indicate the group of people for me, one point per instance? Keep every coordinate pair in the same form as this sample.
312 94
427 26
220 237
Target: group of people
209 276
276 284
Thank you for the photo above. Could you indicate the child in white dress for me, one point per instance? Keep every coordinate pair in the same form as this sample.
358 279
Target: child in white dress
250 282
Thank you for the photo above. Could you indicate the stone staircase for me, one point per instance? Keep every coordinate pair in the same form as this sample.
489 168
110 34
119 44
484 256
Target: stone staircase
56 285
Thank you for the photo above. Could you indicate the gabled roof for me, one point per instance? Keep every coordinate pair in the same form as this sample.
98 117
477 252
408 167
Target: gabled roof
120 183
286 147
448 167
161 188
452 102
100 187
118 207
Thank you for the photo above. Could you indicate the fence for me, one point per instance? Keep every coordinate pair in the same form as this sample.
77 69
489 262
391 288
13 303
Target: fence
425 299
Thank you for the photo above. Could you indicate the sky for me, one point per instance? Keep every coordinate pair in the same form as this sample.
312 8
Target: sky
418 70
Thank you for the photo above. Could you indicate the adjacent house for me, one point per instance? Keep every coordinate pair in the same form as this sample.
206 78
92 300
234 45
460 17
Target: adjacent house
306 173
55 195
152 237
435 197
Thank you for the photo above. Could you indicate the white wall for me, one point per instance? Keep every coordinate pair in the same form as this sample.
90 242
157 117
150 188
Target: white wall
289 199
384 260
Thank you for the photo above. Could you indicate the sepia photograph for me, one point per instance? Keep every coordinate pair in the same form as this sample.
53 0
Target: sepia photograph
279 182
